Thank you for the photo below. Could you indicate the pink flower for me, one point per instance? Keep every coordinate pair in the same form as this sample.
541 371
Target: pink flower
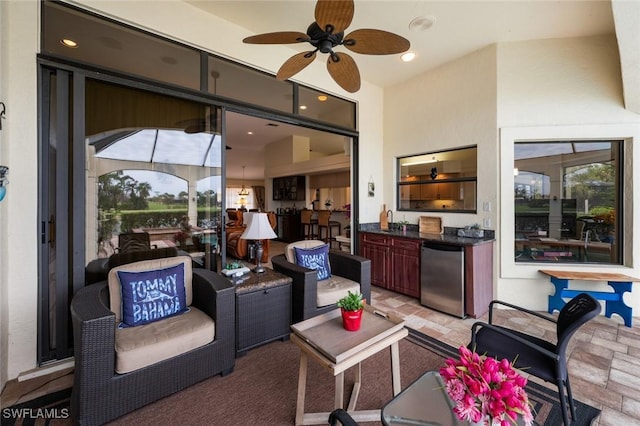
485 389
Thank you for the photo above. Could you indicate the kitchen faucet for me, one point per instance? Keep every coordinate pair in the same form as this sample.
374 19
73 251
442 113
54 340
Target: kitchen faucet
389 212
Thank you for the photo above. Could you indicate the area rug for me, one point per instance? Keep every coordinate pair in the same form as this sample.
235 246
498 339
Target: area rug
262 389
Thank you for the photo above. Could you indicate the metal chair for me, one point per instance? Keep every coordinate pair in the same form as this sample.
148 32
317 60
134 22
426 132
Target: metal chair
342 417
537 356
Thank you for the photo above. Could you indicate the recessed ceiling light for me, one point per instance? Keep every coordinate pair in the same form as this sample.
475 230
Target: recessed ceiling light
69 43
422 23
303 107
408 57
249 132
322 98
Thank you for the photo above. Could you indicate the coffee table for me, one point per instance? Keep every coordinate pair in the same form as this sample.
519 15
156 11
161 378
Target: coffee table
424 402
324 340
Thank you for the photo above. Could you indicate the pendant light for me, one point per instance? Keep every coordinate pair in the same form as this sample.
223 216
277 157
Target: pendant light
243 192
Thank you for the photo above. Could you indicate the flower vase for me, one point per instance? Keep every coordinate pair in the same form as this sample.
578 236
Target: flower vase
351 319
404 229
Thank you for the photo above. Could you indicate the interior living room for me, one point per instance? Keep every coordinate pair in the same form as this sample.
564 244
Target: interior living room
544 95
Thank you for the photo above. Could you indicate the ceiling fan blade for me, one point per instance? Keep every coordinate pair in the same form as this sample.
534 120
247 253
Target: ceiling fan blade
375 42
344 71
281 37
337 13
295 64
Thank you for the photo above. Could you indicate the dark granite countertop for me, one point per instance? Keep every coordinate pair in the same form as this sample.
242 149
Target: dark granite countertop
445 238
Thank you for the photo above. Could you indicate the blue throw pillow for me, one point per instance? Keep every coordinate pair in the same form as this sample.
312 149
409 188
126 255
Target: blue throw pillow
149 296
315 258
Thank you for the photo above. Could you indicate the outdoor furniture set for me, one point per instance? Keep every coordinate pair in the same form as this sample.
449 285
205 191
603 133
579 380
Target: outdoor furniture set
157 326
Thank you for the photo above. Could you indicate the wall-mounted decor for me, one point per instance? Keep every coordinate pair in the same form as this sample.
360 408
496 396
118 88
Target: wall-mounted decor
3 181
371 188
3 111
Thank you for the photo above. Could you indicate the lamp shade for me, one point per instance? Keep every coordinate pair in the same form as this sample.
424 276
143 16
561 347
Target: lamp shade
258 228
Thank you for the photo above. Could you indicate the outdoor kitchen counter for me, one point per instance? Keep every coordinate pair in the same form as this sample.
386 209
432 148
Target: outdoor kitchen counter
396 260
441 238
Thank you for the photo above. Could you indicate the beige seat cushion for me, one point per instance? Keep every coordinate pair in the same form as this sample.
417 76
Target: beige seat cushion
333 289
140 346
115 295
290 251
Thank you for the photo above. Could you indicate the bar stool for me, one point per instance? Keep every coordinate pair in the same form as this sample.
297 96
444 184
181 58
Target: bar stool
308 224
325 223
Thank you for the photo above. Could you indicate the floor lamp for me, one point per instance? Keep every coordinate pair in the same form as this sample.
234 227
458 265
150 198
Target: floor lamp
259 229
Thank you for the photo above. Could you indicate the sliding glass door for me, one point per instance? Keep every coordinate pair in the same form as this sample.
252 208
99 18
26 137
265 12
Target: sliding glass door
118 159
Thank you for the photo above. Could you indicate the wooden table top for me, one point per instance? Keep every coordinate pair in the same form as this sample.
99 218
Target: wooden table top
326 334
589 276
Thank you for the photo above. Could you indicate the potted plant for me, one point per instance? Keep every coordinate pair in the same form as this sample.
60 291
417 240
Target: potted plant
351 307
402 224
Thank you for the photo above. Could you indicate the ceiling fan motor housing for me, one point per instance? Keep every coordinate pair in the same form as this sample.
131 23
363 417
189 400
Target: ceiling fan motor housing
324 41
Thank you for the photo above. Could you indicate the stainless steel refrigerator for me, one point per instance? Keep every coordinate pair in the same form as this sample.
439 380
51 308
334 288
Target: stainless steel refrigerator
442 278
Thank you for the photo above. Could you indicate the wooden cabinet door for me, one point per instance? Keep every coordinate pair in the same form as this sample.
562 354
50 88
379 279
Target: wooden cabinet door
376 248
405 266
429 191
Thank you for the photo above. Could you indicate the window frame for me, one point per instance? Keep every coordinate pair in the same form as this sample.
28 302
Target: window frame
547 222
423 158
508 268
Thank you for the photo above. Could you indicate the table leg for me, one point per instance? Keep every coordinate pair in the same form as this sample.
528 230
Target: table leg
555 300
356 388
339 390
302 387
395 368
619 307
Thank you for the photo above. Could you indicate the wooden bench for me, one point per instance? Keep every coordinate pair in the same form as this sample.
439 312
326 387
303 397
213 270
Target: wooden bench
614 301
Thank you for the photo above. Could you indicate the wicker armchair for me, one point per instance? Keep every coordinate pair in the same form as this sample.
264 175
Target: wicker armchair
100 394
304 290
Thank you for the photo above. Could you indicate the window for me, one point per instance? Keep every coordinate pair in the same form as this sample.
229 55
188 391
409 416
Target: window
438 181
567 201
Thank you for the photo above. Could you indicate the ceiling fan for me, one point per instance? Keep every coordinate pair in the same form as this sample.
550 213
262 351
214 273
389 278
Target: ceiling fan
326 33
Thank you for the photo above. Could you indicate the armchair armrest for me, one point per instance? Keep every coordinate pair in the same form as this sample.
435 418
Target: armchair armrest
505 332
518 308
212 293
93 334
304 286
215 295
355 268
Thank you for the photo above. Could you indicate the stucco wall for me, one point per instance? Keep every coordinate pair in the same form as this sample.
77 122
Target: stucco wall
560 89
452 106
4 317
19 239
19 236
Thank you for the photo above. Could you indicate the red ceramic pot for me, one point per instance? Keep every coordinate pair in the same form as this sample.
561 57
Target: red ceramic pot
351 319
